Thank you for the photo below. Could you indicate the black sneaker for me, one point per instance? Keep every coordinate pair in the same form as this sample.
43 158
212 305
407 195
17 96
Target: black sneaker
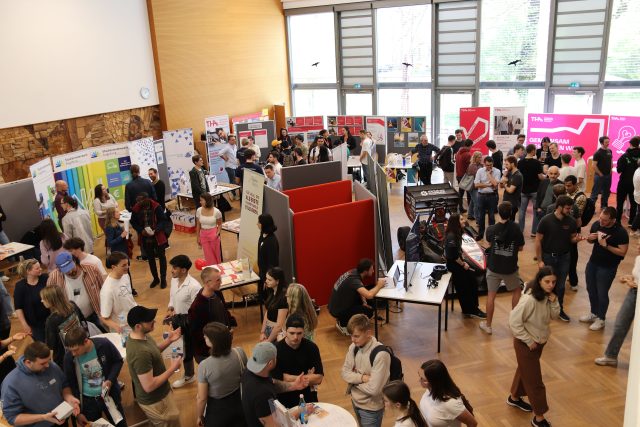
520 404
155 283
163 285
543 423
477 315
141 258
563 316
134 292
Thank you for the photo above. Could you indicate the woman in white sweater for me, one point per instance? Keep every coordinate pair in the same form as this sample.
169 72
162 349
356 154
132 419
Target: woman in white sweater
529 323
102 202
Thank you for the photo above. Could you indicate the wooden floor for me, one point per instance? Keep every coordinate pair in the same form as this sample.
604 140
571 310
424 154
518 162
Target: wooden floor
579 392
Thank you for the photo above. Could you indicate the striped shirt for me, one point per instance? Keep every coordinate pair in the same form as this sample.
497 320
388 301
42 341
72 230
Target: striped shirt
92 279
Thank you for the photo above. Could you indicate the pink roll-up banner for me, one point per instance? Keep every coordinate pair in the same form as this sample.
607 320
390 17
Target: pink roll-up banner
621 130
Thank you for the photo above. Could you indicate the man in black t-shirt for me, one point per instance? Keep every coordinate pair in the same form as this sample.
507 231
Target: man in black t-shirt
531 170
349 296
512 184
249 163
556 232
611 242
506 241
602 162
298 355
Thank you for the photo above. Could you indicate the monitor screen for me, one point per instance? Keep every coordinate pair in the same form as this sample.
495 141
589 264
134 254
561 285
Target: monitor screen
409 270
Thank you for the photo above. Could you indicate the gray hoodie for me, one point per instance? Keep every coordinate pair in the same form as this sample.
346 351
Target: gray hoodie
27 392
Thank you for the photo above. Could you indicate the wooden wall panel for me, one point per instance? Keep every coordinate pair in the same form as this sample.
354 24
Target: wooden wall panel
218 57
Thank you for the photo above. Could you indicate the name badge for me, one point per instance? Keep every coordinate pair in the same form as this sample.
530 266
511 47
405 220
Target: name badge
52 382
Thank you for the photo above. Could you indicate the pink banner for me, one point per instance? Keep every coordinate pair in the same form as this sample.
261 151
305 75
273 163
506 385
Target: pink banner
476 125
621 130
568 131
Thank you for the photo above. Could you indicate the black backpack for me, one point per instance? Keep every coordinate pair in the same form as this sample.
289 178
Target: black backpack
395 368
589 210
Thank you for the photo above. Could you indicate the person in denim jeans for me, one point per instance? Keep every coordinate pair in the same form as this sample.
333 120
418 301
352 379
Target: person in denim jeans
602 163
531 170
556 232
611 242
487 181
624 319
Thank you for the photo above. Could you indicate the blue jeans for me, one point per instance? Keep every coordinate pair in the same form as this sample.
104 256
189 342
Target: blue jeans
560 265
524 204
368 418
486 205
624 319
599 280
601 185
473 206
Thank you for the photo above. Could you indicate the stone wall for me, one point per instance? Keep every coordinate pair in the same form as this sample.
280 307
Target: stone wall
22 146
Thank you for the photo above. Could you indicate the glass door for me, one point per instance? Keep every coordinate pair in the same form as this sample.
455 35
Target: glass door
358 103
571 102
449 120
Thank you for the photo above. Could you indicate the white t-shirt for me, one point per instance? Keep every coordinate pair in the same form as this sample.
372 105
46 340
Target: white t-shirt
181 296
94 261
406 423
367 145
256 150
208 222
439 413
580 168
230 151
116 298
636 185
277 168
77 293
566 171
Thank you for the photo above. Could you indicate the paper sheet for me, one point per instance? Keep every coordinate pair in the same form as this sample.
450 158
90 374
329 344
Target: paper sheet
262 140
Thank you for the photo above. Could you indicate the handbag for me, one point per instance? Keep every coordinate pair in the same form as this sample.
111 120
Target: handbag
466 183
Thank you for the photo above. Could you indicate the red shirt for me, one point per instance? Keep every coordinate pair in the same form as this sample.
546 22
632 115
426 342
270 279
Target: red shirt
463 159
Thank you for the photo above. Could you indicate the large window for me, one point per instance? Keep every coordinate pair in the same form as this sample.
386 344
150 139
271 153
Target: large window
623 59
514 30
403 37
622 102
408 102
312 48
315 102
531 99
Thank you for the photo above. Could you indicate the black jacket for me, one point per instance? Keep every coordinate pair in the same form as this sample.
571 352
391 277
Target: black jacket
160 190
133 189
268 254
627 165
196 191
542 190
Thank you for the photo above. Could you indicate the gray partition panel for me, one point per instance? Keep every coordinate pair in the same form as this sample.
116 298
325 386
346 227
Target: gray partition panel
19 204
163 172
383 212
277 205
313 174
361 193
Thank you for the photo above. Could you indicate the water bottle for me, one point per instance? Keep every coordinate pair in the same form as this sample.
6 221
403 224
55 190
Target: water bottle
175 353
124 335
303 410
404 161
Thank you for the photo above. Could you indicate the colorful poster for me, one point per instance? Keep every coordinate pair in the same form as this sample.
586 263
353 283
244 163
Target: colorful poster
567 130
376 125
143 153
621 130
420 124
45 188
178 148
213 123
475 123
508 123
392 124
338 123
308 127
252 198
216 163
82 170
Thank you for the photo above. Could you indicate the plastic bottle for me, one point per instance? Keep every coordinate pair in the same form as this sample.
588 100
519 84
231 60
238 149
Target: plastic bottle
125 329
404 161
303 410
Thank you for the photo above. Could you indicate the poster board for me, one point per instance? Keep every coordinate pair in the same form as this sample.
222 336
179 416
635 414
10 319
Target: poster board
82 170
508 123
44 187
263 133
178 146
252 200
621 130
19 205
339 154
475 122
377 126
212 124
143 153
163 173
336 125
309 127
404 132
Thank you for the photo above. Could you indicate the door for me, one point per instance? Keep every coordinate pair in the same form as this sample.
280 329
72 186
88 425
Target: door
449 120
358 103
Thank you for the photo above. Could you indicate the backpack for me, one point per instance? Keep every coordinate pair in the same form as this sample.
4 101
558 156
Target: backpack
395 368
589 210
444 162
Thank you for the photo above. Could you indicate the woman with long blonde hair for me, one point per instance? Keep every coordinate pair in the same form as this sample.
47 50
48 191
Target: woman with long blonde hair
26 298
65 315
300 303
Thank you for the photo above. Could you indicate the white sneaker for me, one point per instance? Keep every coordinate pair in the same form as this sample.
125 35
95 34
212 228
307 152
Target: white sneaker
606 361
183 381
483 325
574 288
597 325
588 318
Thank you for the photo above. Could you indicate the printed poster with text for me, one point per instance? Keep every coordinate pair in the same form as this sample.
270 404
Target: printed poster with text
475 122
508 123
251 208
211 124
143 153
377 127
44 187
178 149
567 130
309 127
621 130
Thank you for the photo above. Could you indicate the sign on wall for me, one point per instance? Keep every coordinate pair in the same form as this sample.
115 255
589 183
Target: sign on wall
309 127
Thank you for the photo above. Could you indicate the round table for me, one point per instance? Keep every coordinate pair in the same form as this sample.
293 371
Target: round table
336 416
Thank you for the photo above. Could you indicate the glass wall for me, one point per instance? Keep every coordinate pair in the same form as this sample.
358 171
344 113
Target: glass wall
623 58
622 102
531 99
312 102
312 48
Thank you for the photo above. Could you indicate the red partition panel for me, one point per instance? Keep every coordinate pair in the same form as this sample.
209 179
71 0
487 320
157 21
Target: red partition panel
319 196
330 241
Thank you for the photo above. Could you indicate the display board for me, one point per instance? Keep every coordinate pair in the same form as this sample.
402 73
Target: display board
19 205
384 221
216 163
44 188
82 170
312 174
263 133
212 124
377 126
142 152
252 199
475 122
508 123
336 125
178 147
404 132
277 205
309 127
621 130
163 172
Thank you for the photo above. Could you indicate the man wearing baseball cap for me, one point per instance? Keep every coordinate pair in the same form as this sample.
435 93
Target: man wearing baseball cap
258 386
149 375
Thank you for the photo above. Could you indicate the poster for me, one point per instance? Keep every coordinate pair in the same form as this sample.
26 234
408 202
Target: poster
376 125
309 127
508 123
178 148
621 130
261 138
143 153
211 124
216 163
252 198
82 170
336 125
45 188
414 138
567 130
475 123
